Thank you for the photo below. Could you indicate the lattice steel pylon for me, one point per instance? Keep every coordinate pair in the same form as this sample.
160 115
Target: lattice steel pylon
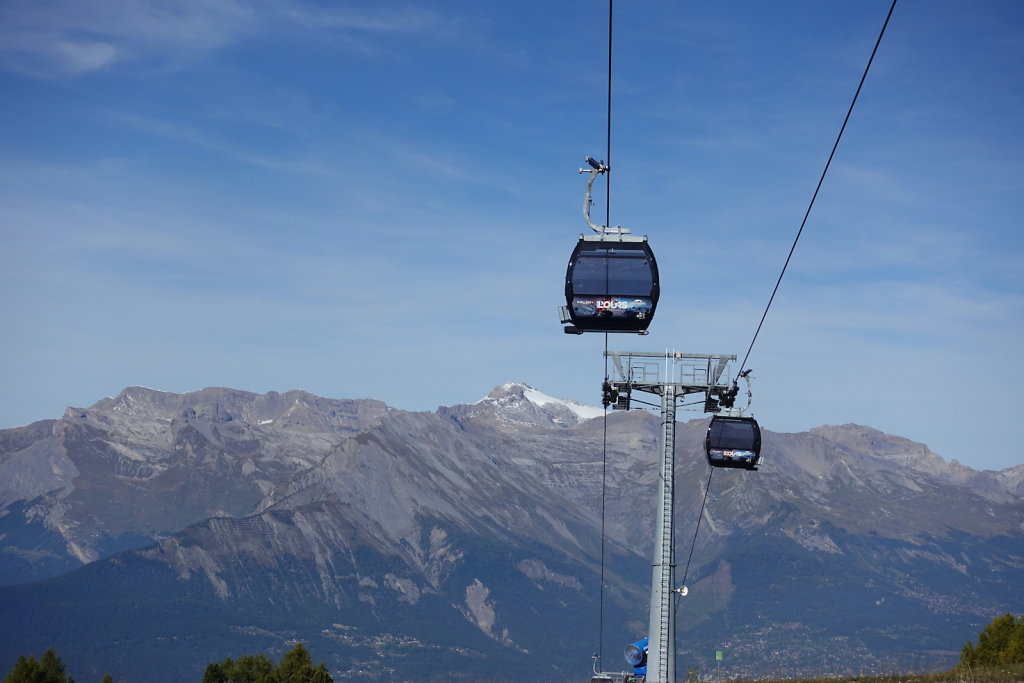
672 376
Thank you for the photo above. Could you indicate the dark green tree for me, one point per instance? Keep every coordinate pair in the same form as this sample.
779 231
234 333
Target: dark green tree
252 669
1014 653
1001 642
217 673
296 666
247 669
49 669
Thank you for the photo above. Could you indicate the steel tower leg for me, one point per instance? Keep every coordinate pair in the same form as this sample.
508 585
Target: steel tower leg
661 661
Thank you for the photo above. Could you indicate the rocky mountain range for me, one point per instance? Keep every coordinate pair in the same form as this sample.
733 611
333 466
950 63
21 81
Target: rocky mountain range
154 532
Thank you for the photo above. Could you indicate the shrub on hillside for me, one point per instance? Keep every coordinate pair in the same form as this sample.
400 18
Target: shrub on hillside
1001 642
296 666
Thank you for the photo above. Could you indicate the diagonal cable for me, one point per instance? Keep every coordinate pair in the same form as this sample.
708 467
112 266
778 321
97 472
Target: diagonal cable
821 180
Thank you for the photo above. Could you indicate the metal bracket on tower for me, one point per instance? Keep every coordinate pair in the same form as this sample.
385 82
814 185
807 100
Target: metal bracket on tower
690 373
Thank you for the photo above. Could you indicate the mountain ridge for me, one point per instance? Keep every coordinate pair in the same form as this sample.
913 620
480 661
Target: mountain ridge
362 526
227 424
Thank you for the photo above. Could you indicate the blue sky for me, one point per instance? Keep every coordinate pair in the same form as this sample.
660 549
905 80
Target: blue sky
378 200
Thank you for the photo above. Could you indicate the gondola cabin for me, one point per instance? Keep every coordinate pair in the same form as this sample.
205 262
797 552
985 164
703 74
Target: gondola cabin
733 442
611 285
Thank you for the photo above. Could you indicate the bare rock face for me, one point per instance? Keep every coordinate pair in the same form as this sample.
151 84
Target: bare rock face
471 537
142 465
1011 479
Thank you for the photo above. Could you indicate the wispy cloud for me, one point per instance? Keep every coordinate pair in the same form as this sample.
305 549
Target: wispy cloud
407 20
55 38
64 38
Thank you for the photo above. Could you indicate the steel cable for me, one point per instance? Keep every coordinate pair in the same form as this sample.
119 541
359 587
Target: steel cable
821 180
604 436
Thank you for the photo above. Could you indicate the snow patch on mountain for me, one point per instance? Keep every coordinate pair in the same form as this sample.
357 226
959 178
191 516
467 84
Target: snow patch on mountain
539 398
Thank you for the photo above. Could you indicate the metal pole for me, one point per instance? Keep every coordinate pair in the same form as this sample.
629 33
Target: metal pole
700 373
660 655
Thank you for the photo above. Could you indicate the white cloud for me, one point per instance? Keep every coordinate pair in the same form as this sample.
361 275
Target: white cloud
85 56
408 20
60 38
54 38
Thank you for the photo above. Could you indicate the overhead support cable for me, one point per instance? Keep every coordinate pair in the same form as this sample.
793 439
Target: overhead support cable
700 516
821 180
604 435
608 131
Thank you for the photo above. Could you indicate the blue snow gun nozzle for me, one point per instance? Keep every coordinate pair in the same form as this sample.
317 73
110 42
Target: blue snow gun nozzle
636 656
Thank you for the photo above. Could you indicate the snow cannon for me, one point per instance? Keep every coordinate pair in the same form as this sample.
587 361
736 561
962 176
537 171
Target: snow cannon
636 656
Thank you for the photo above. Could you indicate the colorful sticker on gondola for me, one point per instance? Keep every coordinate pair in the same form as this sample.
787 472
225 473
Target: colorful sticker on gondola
731 453
638 308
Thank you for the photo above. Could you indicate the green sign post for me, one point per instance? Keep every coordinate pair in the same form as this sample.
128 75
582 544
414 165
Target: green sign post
719 656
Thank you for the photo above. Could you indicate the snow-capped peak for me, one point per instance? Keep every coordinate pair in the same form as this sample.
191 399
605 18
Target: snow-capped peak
515 390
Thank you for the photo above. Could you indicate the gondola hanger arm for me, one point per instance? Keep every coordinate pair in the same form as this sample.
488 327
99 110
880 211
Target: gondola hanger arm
746 376
597 168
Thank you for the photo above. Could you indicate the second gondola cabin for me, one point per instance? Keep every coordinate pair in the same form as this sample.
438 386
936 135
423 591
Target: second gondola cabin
611 285
733 442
